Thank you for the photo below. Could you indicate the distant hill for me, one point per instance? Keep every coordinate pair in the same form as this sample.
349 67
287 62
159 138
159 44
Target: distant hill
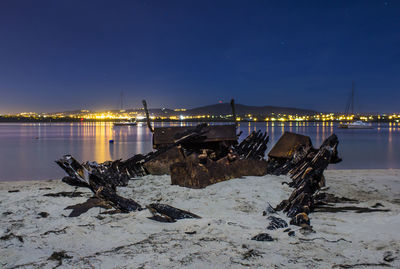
216 110
225 108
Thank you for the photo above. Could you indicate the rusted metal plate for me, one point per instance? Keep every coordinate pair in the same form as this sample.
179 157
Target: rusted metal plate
192 175
166 135
287 145
160 164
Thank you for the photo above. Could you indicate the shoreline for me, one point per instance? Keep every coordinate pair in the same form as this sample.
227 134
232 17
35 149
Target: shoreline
78 120
329 170
231 214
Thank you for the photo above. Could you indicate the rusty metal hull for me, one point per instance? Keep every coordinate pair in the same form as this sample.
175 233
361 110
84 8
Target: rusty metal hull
288 144
192 174
160 164
165 136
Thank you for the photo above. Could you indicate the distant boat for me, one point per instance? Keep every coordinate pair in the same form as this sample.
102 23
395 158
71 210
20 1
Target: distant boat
125 123
356 124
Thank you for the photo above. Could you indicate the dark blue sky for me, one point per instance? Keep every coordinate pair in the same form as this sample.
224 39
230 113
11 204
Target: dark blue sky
61 55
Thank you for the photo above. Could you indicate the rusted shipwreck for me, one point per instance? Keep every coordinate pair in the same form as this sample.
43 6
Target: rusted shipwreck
198 156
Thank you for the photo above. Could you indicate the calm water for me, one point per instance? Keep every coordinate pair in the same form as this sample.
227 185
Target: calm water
28 151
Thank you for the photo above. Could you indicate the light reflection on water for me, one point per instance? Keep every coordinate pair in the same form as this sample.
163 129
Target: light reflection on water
28 150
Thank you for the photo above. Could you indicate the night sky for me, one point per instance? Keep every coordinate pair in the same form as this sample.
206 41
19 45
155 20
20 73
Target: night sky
64 55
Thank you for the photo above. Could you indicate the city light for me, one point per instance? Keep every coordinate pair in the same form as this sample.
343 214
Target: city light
182 115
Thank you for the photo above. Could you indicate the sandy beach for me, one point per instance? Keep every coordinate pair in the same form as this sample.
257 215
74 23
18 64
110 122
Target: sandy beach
231 214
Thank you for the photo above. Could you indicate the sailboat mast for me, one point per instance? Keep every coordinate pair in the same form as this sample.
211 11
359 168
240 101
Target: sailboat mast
121 100
352 98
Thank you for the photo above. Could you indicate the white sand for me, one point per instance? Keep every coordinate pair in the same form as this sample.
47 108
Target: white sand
231 214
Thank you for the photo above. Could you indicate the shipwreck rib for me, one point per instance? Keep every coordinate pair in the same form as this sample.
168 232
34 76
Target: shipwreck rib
305 167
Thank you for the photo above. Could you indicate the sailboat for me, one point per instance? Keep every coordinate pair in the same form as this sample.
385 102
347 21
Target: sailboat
124 123
356 124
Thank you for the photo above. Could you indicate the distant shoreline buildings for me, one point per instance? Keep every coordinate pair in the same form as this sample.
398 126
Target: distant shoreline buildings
185 115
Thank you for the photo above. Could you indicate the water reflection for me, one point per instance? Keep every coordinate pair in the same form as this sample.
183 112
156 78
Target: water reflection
28 151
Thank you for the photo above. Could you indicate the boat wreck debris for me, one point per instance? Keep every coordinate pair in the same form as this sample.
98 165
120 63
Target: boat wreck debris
105 193
262 237
98 181
305 166
276 223
202 155
223 160
167 213
198 156
195 157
